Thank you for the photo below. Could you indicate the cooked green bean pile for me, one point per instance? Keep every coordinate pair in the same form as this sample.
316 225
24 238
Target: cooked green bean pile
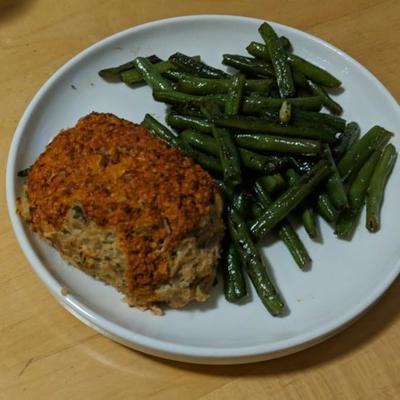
260 132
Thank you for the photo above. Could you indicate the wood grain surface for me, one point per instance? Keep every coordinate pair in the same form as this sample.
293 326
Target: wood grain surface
45 353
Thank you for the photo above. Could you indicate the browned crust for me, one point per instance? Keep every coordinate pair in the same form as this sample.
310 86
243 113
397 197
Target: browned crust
123 178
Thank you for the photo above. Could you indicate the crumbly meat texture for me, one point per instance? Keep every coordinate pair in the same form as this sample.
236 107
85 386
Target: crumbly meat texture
128 209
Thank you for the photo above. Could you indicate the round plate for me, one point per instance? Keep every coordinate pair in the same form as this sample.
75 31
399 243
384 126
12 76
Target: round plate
346 277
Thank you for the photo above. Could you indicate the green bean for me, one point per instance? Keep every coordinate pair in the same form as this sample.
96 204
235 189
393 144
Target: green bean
210 163
359 187
249 65
260 142
376 187
227 191
228 155
202 86
348 219
231 265
265 164
257 50
278 56
185 110
195 83
290 199
301 164
285 112
159 130
180 122
284 229
252 263
259 162
309 220
311 71
299 79
289 236
308 216
235 95
257 209
333 121
114 72
175 97
152 77
261 125
190 65
211 110
334 185
347 223
268 115
327 101
272 183
133 76
242 202
354 159
323 204
200 141
256 104
175 76
24 172
285 43
260 50
257 85
325 208
283 72
347 138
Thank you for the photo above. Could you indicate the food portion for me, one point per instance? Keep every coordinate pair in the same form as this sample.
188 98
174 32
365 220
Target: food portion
126 208
132 205
258 128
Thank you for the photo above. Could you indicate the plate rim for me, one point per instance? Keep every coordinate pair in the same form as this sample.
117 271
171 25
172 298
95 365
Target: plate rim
165 349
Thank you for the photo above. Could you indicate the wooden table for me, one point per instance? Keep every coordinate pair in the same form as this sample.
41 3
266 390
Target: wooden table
45 353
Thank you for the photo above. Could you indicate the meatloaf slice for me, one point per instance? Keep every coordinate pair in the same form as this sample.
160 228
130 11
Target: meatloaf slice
126 208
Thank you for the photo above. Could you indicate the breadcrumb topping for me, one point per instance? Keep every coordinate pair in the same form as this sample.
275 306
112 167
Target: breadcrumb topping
126 179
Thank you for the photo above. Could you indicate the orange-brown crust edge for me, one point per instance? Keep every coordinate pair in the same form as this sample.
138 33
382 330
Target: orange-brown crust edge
124 178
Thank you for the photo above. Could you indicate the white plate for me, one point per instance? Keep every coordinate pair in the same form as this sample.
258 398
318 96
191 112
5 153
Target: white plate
346 278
